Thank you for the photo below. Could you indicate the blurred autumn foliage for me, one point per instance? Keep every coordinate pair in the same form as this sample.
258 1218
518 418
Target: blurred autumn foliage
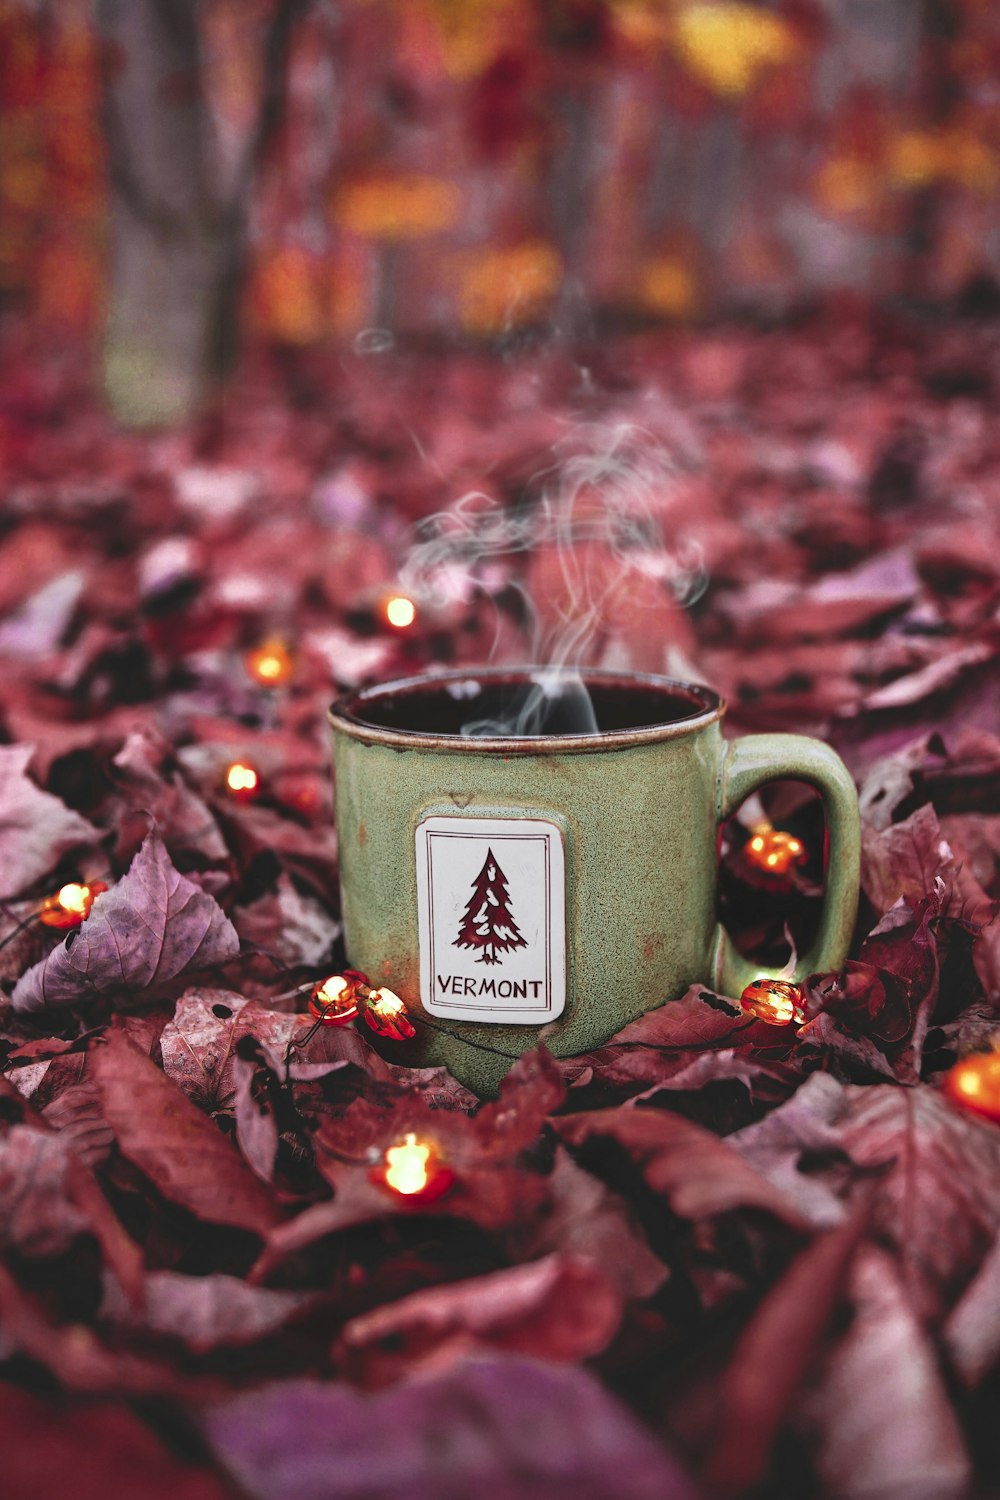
433 166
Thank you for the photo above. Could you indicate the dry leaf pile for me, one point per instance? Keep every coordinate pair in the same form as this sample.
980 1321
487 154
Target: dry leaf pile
711 1258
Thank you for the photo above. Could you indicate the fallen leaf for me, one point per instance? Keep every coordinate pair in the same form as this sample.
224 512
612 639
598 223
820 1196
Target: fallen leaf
52 1447
206 1312
36 829
151 928
198 1045
559 1308
169 1139
699 1174
880 1414
773 1356
495 1427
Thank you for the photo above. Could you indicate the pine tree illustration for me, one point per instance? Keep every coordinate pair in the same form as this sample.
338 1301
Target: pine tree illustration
488 922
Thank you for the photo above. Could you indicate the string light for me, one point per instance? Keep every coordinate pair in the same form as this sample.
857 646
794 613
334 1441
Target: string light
386 1014
334 1000
773 851
400 612
776 1001
242 781
974 1083
270 664
70 906
413 1169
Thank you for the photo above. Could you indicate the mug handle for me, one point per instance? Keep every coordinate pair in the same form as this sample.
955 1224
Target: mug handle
746 765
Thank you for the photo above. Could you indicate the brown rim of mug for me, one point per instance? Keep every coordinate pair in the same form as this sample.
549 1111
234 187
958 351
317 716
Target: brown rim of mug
346 715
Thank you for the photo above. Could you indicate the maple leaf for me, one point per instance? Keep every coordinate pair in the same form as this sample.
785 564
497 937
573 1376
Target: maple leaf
151 928
36 829
937 1167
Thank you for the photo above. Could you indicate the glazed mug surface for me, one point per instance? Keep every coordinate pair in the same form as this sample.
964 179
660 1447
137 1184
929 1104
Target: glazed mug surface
534 847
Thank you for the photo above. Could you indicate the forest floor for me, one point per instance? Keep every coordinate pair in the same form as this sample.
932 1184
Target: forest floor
713 1257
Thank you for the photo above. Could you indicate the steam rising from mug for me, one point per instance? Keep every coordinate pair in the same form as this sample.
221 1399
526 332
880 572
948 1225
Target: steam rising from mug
600 512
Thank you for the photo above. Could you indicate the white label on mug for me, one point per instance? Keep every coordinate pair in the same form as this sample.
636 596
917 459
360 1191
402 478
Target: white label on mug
491 904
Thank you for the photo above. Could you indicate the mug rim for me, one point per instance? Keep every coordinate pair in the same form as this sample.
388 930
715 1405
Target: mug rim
343 714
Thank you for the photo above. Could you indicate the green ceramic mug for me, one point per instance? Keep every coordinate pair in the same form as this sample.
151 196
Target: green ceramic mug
532 847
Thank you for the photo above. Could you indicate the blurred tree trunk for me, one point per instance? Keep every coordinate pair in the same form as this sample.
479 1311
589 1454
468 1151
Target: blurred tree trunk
178 239
165 220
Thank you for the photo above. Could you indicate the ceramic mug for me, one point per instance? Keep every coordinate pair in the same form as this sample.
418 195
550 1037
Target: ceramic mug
532 847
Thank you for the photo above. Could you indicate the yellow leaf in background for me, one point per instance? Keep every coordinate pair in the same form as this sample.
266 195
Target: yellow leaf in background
398 208
286 296
646 24
726 46
920 157
668 285
506 288
469 33
847 185
915 158
970 161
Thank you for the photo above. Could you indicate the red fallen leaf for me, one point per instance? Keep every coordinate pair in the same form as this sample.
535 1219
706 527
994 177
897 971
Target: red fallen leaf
939 674
500 1427
64 1196
971 1332
151 928
486 1187
206 1312
257 1074
144 789
699 1174
52 1447
308 853
904 860
36 829
938 1168
586 1218
39 1217
559 1308
198 1044
73 1353
878 1415
871 1002
289 926
662 1042
532 1090
167 1137
805 1126
76 1114
773 1356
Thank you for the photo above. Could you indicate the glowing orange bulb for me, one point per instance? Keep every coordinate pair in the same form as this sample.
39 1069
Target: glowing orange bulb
974 1083
387 1004
242 780
406 1166
386 1014
270 664
334 1001
400 611
774 851
776 1001
74 898
71 904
